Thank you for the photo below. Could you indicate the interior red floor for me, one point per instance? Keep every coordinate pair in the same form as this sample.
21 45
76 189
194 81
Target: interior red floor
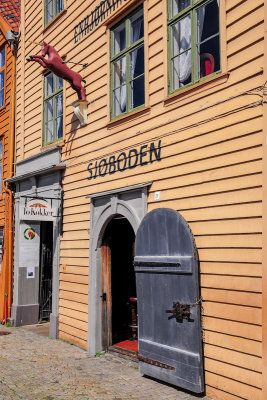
131 345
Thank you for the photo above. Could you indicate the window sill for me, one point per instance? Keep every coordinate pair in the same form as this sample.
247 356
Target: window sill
59 143
58 16
128 117
197 88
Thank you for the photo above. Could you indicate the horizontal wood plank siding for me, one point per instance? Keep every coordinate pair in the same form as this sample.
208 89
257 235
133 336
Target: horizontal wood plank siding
211 172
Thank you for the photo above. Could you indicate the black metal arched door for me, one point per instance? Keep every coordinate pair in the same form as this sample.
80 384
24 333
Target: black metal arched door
169 312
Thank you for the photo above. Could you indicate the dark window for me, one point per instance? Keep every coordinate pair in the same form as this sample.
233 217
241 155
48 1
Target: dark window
53 108
127 64
52 9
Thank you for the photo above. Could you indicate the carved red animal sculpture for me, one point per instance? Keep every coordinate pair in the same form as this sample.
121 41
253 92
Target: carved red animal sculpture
56 65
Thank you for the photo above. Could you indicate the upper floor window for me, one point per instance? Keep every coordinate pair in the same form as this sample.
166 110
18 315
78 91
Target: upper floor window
52 9
127 64
2 77
194 41
53 108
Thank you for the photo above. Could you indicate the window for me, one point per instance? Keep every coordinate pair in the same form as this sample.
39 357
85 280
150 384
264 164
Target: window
53 108
52 9
127 64
2 77
194 43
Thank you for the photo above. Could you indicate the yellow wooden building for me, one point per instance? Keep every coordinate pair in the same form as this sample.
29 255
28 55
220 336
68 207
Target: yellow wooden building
174 118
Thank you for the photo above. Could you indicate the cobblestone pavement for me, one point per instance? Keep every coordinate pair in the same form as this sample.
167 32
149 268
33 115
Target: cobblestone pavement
32 366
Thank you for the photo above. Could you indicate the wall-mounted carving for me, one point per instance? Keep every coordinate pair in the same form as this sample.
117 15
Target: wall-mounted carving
56 65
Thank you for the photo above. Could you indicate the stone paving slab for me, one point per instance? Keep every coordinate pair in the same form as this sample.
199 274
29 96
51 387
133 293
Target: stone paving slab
32 366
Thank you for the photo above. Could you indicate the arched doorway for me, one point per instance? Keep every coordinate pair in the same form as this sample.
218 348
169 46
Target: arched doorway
118 288
129 202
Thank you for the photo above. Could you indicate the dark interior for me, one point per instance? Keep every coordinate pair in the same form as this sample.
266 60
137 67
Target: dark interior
46 268
121 238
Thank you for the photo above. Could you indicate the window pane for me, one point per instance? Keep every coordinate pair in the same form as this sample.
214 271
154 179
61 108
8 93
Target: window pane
119 100
1 149
59 83
181 70
49 85
59 105
2 84
2 80
49 110
119 36
2 58
181 35
208 45
49 131
136 26
138 92
208 20
59 127
209 58
49 11
119 72
178 6
59 6
137 62
1 98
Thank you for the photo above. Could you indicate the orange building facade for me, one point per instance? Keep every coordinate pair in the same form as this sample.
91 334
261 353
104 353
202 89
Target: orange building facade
9 23
174 118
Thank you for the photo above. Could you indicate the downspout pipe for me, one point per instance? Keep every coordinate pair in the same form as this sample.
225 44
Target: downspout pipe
12 37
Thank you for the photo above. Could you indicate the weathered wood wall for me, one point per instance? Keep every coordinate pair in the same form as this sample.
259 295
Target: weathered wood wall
210 171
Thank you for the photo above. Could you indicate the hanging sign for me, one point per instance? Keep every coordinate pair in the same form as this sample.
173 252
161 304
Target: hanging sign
37 210
95 17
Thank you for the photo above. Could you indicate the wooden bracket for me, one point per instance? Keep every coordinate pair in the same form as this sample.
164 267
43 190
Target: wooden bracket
80 110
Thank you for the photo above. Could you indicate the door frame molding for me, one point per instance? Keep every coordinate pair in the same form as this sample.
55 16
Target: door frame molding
131 203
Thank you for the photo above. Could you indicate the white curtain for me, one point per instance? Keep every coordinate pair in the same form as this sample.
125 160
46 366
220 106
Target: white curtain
184 43
136 36
123 88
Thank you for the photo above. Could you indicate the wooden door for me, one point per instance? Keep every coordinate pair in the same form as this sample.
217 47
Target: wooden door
106 294
167 281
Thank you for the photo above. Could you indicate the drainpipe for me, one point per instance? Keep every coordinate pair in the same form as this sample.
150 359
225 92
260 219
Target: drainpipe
12 38
6 309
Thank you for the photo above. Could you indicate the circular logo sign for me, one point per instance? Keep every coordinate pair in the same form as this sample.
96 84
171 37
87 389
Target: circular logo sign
29 234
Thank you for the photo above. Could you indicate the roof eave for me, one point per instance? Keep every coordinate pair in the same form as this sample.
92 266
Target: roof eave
4 26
